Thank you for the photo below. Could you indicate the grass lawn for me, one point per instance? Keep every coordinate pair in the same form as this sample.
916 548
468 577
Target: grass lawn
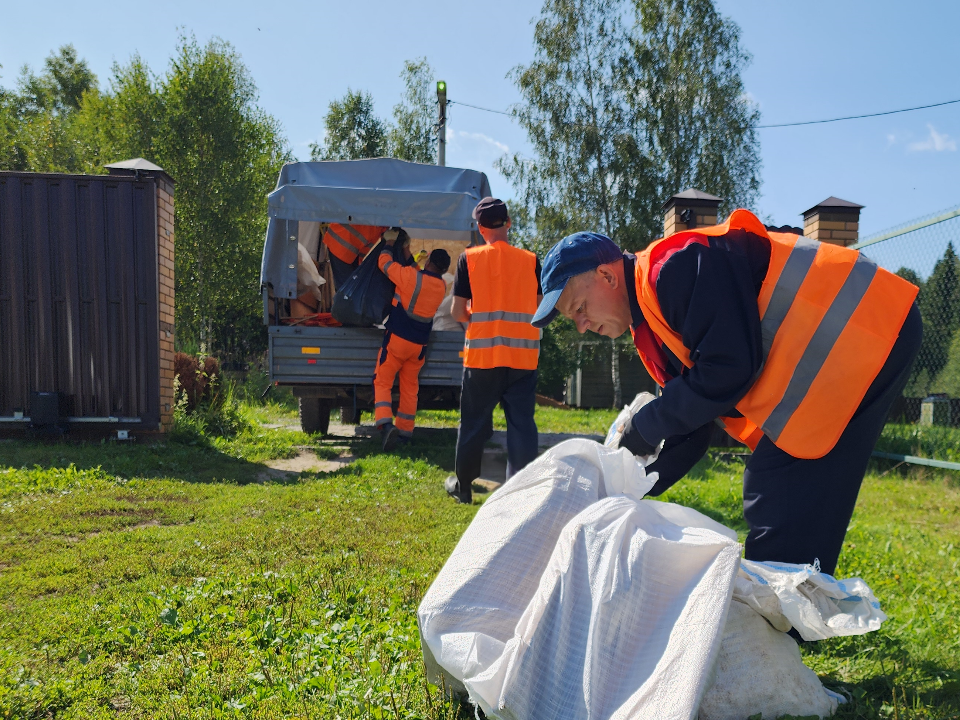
174 581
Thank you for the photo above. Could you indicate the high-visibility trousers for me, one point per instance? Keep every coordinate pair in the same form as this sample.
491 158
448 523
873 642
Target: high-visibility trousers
406 358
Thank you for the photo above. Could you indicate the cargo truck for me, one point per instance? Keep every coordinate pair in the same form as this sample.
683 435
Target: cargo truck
333 367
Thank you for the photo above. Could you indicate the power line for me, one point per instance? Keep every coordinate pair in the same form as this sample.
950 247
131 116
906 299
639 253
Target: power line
857 117
477 107
778 125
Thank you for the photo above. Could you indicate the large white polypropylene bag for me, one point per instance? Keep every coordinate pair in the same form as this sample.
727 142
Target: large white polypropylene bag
816 604
760 670
561 601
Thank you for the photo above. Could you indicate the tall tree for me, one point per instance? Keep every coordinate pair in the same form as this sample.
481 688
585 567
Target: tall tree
583 172
689 102
940 308
225 154
626 103
353 130
414 136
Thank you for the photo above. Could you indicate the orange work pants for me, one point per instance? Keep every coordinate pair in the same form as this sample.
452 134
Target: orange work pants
406 358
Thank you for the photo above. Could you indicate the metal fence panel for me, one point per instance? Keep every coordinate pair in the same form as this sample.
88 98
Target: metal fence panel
79 295
924 251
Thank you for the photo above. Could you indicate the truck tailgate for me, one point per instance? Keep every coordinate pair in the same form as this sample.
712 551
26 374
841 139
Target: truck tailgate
348 356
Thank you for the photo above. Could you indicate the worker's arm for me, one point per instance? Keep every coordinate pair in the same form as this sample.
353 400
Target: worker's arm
390 267
459 309
709 296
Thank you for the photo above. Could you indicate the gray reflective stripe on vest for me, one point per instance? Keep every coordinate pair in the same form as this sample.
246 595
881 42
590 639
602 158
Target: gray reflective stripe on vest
357 235
482 343
820 345
386 265
501 315
416 294
340 240
791 278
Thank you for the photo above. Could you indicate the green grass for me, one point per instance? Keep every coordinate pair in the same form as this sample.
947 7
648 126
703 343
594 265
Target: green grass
549 420
178 581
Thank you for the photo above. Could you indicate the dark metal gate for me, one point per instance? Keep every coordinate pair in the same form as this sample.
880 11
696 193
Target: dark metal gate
79 297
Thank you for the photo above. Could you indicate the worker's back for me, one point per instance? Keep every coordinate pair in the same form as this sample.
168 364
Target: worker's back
503 284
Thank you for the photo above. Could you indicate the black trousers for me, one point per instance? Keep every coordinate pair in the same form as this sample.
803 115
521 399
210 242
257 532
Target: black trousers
798 510
482 389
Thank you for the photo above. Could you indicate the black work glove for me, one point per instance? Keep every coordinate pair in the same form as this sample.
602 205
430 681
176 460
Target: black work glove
633 441
678 456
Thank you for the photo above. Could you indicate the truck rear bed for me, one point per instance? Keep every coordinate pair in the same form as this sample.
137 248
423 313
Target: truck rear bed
346 357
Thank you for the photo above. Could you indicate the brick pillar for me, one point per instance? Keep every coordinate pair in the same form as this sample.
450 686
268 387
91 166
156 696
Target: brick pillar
688 210
833 221
166 286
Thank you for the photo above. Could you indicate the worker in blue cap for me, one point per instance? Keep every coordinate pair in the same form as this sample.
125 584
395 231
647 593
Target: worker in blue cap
797 348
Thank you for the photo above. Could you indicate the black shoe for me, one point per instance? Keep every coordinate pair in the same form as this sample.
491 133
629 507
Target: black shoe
403 441
452 486
390 435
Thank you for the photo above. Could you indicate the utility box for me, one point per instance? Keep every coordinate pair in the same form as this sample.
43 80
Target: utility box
935 410
86 299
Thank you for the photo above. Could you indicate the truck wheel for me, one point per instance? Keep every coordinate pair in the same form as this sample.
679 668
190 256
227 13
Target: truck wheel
314 415
348 416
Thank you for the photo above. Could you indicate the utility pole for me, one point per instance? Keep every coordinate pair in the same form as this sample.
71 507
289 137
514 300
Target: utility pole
442 124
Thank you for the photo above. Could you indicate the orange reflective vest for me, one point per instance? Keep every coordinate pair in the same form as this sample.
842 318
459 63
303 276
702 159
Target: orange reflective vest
417 293
348 242
828 318
503 285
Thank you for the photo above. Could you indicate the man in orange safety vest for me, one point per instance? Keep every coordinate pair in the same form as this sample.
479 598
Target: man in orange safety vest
797 348
496 290
418 295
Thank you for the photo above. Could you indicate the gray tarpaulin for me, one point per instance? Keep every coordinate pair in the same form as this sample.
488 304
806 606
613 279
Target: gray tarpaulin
429 201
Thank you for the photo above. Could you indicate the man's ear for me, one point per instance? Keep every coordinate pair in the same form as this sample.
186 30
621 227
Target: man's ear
609 276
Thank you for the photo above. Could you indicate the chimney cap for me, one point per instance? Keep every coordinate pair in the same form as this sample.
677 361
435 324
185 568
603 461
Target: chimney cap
135 166
691 196
833 203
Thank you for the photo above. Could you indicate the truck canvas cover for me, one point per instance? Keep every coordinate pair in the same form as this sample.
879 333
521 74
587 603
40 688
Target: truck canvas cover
428 201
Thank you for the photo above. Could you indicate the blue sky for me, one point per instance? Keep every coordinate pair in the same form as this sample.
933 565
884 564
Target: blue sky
811 60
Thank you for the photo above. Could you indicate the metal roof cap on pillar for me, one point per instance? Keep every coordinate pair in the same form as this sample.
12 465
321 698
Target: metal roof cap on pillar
137 167
692 196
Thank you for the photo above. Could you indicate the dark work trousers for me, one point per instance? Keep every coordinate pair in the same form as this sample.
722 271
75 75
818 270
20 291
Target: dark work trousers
341 270
798 510
482 389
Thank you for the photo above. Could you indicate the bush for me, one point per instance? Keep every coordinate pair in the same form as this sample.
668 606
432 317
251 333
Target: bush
206 404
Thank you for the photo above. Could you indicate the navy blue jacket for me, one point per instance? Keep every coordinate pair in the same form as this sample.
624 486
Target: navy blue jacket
708 294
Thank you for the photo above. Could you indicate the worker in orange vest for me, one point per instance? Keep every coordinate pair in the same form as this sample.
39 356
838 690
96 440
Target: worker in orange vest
348 244
798 348
418 295
496 290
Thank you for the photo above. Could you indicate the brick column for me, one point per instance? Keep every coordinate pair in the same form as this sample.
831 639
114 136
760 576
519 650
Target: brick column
833 221
165 264
688 210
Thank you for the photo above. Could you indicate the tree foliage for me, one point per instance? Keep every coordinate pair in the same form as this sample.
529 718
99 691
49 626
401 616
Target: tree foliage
626 104
200 122
413 136
352 130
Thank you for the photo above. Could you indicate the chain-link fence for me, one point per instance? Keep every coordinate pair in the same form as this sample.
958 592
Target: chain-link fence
923 251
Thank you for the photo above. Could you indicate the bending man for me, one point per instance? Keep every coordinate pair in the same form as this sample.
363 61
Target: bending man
419 294
798 348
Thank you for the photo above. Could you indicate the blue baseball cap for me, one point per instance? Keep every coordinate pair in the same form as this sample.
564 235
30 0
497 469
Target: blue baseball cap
574 255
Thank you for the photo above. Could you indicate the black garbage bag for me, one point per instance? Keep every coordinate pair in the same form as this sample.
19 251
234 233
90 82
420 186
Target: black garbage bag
364 299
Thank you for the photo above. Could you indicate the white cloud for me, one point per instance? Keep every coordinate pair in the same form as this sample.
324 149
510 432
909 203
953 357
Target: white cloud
475 142
937 142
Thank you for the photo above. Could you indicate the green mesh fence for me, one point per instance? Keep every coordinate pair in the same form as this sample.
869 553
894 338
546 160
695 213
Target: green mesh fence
924 251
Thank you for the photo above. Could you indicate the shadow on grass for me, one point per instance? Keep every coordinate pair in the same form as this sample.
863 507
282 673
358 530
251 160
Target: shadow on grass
919 686
129 459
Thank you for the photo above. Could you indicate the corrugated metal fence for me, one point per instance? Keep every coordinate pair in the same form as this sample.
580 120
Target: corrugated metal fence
79 296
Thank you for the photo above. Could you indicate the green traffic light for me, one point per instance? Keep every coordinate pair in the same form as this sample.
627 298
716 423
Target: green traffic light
441 86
